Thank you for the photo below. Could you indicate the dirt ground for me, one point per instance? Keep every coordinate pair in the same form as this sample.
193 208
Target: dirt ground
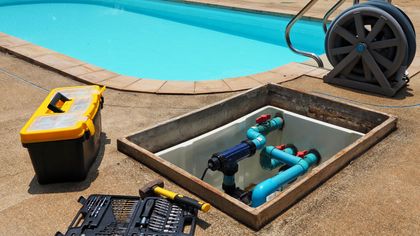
377 194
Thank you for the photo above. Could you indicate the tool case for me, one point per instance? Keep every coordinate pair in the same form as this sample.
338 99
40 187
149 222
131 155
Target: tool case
129 215
63 135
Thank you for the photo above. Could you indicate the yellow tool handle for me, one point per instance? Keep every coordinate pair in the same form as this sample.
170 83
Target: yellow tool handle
202 206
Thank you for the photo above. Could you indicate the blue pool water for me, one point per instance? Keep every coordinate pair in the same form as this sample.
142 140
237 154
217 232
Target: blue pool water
160 39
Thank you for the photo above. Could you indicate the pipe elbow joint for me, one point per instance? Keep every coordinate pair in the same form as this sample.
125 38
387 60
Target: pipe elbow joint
256 137
312 158
277 123
259 141
260 193
305 165
266 161
252 133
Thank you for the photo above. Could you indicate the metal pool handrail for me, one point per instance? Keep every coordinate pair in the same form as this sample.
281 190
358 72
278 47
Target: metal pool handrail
331 11
289 27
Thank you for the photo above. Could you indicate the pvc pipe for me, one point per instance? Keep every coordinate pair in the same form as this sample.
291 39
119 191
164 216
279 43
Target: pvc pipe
269 186
257 133
256 137
269 163
282 156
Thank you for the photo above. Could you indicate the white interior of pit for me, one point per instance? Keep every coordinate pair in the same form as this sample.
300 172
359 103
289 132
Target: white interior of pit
304 132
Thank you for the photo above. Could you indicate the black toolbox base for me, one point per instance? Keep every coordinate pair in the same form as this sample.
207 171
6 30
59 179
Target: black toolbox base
66 160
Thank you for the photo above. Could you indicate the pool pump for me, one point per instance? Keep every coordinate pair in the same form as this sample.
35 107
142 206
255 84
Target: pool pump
227 161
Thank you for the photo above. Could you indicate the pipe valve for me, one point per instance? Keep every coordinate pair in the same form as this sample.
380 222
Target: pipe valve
263 118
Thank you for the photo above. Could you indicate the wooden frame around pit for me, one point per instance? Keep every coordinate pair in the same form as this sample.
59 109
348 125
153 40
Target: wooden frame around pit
142 145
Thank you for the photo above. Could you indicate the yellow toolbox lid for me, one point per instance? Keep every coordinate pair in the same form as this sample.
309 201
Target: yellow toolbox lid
66 113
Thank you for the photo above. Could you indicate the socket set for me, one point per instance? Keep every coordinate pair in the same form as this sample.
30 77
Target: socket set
128 215
160 216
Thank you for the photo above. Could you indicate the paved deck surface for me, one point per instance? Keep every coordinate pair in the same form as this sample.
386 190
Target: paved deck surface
377 194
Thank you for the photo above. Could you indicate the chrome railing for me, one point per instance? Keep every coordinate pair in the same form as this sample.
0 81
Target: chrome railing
333 9
289 27
330 12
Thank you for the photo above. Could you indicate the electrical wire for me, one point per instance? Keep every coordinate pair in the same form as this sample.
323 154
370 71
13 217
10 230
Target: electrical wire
366 103
204 173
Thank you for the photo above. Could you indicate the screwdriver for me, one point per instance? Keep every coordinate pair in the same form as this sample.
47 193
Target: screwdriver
146 212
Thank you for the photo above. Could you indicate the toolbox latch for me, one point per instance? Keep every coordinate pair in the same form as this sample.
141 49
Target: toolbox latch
53 104
90 126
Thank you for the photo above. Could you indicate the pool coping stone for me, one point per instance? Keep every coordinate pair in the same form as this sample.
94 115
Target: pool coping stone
91 74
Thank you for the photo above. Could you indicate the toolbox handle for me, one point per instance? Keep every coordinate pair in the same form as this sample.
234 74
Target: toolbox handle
57 97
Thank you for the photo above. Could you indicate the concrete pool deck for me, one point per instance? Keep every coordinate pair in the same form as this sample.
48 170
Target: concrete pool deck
378 194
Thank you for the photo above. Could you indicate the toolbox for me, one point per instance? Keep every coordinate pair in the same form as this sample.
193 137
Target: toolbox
129 215
63 136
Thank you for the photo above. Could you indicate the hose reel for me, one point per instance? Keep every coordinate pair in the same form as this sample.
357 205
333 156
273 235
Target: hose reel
370 46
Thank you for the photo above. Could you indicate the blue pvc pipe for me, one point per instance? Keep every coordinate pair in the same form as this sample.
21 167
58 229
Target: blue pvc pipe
256 137
282 156
257 133
269 186
311 159
269 163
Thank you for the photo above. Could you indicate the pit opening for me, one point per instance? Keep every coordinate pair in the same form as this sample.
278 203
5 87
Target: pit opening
303 132
179 148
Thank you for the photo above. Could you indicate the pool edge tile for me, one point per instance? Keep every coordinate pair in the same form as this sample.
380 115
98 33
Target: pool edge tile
145 86
266 77
58 61
292 71
211 86
318 73
9 42
177 87
82 69
98 76
242 83
32 50
120 81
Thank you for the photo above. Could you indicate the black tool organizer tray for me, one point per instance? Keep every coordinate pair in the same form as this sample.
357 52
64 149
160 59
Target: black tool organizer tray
126 216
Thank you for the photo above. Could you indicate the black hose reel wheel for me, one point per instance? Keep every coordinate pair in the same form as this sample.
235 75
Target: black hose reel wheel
404 22
370 49
367 31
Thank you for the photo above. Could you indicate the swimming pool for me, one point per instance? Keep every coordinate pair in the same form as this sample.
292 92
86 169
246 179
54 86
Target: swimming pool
160 39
